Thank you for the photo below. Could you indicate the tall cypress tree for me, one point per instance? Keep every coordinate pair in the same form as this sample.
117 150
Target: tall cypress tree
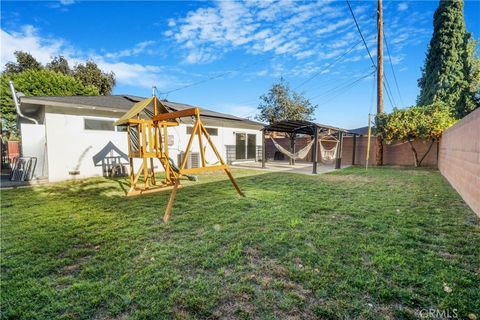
451 73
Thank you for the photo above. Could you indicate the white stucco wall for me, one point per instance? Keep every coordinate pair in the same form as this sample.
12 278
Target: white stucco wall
72 148
34 145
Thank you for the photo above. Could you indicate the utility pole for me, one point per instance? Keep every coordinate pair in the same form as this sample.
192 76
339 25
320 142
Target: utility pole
379 144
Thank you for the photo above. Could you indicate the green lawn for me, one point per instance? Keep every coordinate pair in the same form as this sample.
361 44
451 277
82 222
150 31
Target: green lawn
382 243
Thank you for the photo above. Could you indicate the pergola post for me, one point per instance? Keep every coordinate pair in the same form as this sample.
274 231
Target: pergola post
354 148
292 147
338 163
263 149
315 149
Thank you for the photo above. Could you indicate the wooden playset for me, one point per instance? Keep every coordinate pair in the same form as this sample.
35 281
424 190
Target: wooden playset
147 125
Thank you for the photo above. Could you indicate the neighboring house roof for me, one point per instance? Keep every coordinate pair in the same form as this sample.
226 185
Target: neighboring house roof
363 131
123 103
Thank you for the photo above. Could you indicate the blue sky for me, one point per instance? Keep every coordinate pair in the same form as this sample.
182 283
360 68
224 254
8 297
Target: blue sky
232 52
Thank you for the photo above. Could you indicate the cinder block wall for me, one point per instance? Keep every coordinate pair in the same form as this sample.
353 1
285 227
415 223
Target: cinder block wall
397 154
459 158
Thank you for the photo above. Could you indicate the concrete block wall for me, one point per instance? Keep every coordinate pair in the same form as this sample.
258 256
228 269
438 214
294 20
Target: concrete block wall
459 158
397 154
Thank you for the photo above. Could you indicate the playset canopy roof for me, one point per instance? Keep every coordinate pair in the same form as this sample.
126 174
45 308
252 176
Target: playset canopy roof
144 109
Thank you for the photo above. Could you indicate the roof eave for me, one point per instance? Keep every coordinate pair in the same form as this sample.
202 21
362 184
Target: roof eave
68 105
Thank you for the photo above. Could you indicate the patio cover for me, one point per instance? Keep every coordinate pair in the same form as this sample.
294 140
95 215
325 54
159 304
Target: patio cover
300 127
295 127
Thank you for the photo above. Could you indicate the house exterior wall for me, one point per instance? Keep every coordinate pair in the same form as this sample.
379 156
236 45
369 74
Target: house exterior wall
71 148
34 145
459 158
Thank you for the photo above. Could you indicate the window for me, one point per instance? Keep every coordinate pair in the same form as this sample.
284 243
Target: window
121 128
211 131
95 124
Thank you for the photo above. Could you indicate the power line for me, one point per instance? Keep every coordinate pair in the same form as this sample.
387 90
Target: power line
328 66
386 85
342 86
393 71
385 80
217 76
346 88
360 32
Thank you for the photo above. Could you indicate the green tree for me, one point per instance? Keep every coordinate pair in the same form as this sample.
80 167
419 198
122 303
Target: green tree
282 103
90 74
415 123
37 83
59 64
24 61
451 73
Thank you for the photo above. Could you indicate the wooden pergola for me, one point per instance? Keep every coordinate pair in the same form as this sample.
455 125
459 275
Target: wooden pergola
296 127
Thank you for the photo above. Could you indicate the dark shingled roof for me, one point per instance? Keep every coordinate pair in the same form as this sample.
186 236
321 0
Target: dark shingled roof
119 102
125 102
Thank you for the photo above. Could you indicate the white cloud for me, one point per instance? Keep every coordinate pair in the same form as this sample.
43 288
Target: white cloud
44 49
262 73
318 30
140 47
279 26
27 40
402 6
333 27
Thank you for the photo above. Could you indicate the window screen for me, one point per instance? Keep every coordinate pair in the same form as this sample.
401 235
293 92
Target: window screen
95 124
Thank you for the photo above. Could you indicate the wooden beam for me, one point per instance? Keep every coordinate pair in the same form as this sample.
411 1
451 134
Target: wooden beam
202 151
189 145
219 157
154 182
234 182
139 121
168 170
203 169
166 216
137 192
137 175
176 114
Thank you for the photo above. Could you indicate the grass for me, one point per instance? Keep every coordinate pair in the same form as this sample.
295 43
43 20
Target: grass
383 243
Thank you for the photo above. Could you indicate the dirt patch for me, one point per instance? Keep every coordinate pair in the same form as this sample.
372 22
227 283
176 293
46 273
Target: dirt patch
103 316
448 255
236 307
347 178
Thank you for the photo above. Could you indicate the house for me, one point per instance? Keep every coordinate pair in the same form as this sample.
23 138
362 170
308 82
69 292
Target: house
75 137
